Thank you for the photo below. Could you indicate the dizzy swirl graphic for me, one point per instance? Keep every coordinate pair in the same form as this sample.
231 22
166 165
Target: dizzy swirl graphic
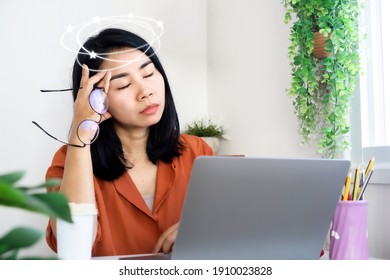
151 30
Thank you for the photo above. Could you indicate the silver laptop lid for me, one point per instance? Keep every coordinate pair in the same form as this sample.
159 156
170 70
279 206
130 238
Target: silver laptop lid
259 208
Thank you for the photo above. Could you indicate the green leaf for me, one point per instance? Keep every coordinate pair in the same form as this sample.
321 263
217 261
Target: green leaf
10 196
57 203
321 89
205 128
19 238
51 183
10 255
327 130
12 177
53 204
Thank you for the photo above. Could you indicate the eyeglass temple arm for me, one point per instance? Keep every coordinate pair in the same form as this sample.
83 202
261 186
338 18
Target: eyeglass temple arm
73 145
57 90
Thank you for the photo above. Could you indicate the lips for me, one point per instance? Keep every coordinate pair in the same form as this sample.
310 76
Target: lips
150 109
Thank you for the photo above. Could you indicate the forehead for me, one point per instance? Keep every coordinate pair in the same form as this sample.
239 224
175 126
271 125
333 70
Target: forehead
123 58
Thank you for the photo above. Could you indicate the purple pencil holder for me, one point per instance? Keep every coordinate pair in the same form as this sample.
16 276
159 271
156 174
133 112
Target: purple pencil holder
349 231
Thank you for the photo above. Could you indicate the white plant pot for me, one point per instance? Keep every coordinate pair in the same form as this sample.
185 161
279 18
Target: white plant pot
213 142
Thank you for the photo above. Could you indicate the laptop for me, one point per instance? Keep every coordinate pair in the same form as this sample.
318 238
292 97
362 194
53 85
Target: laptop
258 208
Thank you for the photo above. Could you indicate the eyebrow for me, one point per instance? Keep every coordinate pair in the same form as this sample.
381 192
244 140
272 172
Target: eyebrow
120 75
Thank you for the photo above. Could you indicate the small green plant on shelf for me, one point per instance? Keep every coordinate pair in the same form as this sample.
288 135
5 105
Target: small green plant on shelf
205 128
33 199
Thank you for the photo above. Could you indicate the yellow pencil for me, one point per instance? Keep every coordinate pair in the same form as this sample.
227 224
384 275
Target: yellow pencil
369 167
356 183
347 186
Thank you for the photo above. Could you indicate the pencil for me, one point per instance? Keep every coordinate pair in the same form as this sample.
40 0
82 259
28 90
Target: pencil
347 187
365 185
370 165
356 183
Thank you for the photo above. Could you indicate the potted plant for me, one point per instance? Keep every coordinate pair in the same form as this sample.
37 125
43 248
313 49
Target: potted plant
209 131
53 204
321 87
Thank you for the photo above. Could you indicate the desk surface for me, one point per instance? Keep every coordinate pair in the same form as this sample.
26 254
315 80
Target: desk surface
158 256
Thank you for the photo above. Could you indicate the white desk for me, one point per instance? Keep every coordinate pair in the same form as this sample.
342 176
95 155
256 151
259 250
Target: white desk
158 256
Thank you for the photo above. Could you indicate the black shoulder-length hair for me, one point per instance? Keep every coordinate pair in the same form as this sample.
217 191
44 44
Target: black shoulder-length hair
163 143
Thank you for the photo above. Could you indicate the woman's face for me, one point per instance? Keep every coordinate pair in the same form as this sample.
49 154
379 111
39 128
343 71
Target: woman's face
136 92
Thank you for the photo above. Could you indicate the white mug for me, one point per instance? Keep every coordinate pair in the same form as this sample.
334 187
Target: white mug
74 240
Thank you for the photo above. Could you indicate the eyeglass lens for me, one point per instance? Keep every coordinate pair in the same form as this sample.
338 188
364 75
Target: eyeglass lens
98 100
88 130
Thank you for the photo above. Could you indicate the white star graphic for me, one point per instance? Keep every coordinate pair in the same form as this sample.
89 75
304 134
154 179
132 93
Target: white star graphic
92 55
96 19
160 23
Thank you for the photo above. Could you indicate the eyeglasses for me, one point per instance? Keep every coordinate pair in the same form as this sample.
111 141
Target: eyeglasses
88 130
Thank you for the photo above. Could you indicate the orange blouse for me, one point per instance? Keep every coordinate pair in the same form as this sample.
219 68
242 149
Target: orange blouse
125 223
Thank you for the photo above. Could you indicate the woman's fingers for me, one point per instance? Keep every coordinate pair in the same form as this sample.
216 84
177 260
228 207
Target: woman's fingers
88 83
105 84
106 81
96 79
167 239
84 75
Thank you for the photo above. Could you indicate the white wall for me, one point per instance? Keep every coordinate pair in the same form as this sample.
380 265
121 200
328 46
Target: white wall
224 58
249 73
377 196
33 59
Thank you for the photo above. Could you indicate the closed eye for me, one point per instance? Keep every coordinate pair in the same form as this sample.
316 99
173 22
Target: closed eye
148 76
126 86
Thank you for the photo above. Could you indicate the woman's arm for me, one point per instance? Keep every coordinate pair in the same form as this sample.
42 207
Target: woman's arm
77 182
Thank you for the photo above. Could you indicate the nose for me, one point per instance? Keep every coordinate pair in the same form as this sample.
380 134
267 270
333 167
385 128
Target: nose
143 90
144 94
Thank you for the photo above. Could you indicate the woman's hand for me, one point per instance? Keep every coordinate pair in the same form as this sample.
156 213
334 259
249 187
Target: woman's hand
167 239
82 106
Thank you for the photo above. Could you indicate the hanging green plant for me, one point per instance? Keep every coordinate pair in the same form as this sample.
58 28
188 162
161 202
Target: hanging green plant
321 87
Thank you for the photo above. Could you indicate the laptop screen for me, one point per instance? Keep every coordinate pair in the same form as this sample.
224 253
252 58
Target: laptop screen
259 208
